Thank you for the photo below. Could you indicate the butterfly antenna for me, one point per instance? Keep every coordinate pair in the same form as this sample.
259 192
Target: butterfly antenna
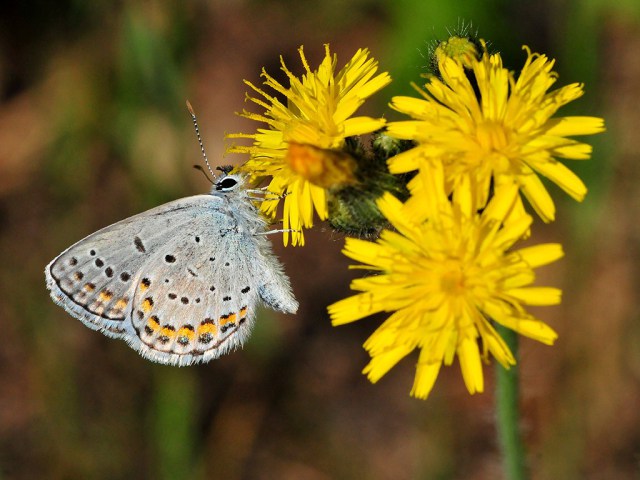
195 124
199 167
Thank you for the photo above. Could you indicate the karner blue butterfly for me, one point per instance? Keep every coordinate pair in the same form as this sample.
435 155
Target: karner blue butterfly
180 283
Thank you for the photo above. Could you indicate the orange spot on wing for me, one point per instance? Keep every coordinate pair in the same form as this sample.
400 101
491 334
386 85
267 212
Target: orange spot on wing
147 304
187 332
168 332
89 287
207 328
228 318
121 304
153 323
105 295
243 312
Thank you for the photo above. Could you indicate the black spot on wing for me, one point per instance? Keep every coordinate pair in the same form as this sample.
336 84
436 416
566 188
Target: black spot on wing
139 245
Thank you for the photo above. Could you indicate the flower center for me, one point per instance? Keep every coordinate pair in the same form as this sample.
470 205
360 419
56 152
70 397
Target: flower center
453 280
494 140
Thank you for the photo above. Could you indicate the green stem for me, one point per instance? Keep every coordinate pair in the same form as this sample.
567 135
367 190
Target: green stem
508 413
173 422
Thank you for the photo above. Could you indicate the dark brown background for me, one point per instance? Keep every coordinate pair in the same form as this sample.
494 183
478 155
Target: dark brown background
93 128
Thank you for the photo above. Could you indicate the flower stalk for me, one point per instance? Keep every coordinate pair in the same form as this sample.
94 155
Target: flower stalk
508 413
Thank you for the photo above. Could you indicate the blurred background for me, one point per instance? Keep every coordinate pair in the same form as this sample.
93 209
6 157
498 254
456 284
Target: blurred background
93 128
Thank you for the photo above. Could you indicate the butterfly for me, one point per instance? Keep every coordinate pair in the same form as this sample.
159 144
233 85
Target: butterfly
180 283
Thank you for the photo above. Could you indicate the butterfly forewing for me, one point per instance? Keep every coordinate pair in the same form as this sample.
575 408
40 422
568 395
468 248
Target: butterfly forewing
94 279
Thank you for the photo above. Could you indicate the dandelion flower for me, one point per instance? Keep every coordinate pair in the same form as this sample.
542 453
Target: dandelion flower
445 281
489 128
301 148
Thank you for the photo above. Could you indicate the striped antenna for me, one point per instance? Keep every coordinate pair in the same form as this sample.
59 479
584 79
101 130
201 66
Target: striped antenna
195 124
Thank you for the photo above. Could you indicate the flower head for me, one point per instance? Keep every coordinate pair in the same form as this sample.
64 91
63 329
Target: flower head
459 48
446 280
488 128
301 148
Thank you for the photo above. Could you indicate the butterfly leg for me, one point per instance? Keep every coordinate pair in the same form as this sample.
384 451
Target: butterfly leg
280 230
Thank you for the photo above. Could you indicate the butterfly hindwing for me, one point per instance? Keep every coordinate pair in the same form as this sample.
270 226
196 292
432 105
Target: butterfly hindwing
196 298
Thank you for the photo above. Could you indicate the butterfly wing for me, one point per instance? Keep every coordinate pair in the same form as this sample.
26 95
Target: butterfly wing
197 299
179 283
94 279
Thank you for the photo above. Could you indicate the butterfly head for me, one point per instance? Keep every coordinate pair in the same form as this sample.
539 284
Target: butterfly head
227 181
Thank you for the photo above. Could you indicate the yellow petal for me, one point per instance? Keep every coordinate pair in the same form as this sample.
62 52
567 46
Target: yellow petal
528 326
361 125
564 178
538 197
382 363
537 295
570 126
351 309
543 254
425 379
470 364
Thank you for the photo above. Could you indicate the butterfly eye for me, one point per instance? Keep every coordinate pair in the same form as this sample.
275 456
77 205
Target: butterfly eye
226 183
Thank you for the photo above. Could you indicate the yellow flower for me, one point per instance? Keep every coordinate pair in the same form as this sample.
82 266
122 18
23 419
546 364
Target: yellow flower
301 148
490 128
446 280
